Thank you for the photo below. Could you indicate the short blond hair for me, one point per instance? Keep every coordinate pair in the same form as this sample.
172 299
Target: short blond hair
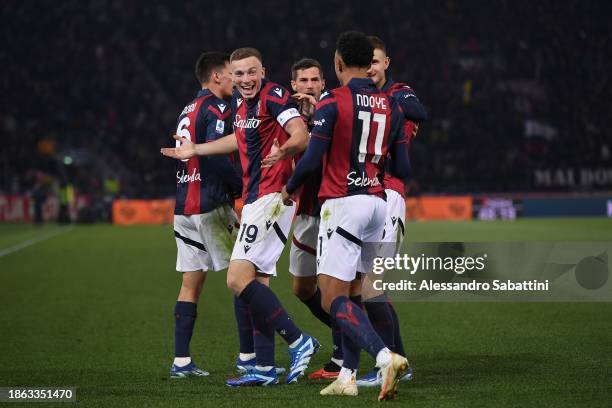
245 52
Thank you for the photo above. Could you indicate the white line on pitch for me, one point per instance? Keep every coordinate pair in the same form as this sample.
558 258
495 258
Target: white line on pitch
32 241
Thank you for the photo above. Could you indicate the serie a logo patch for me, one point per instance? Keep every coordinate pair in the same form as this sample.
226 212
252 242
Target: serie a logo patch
220 127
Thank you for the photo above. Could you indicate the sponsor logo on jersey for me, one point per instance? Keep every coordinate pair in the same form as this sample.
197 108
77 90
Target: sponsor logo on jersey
182 177
279 92
238 102
361 180
324 94
319 122
249 123
220 127
222 107
189 108
370 101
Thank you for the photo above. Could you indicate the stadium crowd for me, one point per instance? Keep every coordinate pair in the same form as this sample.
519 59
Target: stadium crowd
510 87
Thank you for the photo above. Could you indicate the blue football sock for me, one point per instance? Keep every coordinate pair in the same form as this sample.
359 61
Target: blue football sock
245 326
382 320
397 337
263 337
336 341
263 302
357 300
350 353
314 305
356 326
185 314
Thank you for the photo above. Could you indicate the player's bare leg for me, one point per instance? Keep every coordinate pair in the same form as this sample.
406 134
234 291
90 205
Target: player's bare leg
239 274
304 287
191 286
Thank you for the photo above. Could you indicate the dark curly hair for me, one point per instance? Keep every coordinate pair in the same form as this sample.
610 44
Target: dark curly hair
355 49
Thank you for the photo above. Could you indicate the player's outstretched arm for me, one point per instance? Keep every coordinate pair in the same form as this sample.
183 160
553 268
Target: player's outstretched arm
298 141
311 161
187 149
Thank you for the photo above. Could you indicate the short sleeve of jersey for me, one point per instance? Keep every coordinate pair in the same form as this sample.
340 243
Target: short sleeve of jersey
280 105
325 116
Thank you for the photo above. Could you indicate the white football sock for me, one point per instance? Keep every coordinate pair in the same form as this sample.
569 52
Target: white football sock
263 368
246 356
181 361
346 375
383 357
338 362
295 343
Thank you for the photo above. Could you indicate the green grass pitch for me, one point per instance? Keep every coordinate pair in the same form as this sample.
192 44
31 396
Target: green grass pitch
92 308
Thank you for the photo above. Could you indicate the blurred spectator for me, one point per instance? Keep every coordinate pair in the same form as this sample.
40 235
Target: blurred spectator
108 77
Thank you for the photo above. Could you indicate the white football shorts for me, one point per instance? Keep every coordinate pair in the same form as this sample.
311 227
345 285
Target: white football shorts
346 224
395 220
303 253
204 241
263 232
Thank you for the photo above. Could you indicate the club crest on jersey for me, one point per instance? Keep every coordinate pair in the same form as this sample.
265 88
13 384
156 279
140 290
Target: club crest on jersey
182 177
279 92
222 107
362 180
249 123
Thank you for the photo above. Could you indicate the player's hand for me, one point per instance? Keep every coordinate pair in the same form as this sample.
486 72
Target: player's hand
415 130
286 196
304 97
186 150
307 103
276 154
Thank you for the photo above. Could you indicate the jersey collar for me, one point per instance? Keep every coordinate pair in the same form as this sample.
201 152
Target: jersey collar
388 84
361 82
203 92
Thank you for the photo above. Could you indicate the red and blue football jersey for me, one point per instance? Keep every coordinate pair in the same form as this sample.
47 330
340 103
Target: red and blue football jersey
205 183
401 93
360 122
257 123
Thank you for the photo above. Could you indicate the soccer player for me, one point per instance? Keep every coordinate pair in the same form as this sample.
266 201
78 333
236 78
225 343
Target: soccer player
204 218
380 311
308 82
355 126
264 114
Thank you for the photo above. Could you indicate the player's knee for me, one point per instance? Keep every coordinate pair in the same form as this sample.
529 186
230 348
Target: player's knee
234 284
355 288
191 286
303 289
326 302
